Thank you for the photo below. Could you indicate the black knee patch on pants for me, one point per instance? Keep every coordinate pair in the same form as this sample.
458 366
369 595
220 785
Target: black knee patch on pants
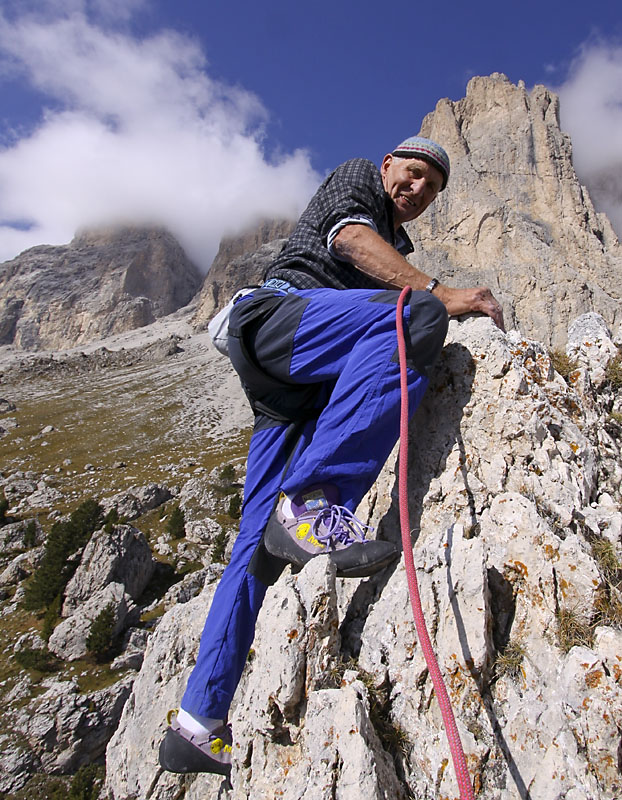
425 332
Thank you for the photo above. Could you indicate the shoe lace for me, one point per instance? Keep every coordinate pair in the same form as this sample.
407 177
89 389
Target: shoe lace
340 525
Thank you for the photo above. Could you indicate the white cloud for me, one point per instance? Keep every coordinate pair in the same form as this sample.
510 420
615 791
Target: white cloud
143 134
591 112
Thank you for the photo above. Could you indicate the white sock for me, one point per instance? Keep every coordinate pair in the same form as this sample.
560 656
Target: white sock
286 508
197 724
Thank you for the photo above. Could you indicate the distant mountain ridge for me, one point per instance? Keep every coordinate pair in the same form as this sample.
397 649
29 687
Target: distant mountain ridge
105 281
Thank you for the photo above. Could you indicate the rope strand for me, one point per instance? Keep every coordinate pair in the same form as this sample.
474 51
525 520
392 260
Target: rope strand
455 745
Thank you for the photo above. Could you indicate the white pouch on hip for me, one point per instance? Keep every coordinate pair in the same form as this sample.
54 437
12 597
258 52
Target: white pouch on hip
218 327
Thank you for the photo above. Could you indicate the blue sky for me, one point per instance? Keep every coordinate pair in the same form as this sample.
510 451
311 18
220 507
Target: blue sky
206 116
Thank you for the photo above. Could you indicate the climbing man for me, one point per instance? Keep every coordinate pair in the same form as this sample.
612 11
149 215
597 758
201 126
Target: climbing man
315 348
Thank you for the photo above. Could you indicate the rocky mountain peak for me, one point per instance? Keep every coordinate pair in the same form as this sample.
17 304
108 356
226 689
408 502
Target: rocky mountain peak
105 281
241 261
514 215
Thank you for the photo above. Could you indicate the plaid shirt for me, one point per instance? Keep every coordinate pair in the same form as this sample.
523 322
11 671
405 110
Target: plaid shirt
353 189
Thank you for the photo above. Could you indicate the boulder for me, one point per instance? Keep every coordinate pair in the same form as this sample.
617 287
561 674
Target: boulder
68 640
66 729
137 500
122 556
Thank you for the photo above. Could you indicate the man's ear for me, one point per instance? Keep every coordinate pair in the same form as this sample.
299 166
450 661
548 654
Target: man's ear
386 162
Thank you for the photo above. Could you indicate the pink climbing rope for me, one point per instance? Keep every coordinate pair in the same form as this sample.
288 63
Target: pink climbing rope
455 745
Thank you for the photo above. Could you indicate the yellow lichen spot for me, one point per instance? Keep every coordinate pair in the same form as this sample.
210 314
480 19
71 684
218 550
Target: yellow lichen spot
574 447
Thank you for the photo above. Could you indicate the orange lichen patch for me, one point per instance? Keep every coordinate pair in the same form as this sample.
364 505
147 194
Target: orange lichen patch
563 585
574 447
293 634
572 567
617 673
551 552
441 770
586 703
519 567
593 678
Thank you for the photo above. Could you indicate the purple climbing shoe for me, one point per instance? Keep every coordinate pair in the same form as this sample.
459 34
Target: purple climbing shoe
314 524
182 751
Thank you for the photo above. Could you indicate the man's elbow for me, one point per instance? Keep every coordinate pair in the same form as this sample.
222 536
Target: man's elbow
349 240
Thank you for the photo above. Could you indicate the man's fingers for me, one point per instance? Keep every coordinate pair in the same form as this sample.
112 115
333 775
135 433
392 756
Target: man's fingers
492 308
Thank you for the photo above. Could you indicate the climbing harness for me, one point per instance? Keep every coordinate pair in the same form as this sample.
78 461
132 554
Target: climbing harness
455 745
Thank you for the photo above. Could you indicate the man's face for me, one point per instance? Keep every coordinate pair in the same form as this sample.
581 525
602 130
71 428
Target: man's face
412 184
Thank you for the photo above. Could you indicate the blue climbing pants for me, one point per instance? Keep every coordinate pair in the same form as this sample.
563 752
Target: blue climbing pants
334 353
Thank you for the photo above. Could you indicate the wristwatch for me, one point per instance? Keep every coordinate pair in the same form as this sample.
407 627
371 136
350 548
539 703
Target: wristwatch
432 285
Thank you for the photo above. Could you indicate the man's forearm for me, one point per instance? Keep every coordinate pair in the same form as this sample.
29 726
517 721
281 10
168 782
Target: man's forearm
368 252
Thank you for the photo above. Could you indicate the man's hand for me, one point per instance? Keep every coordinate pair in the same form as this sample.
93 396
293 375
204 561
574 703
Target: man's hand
464 301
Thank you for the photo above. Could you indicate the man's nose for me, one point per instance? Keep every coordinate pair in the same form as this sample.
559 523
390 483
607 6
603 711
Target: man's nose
417 186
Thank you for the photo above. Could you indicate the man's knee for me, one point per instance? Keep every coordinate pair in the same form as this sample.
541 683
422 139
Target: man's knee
426 331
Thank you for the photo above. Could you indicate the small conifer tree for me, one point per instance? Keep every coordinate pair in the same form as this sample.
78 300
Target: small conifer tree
99 640
4 506
176 524
56 569
235 506
30 534
86 783
219 547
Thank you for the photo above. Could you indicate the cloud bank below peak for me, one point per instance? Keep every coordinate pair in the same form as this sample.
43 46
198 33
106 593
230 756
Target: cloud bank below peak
136 132
591 112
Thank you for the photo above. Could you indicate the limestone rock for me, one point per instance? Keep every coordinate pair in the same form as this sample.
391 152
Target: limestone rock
18 764
122 556
131 759
66 729
20 535
514 216
17 569
133 650
44 496
68 640
137 500
590 343
103 282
